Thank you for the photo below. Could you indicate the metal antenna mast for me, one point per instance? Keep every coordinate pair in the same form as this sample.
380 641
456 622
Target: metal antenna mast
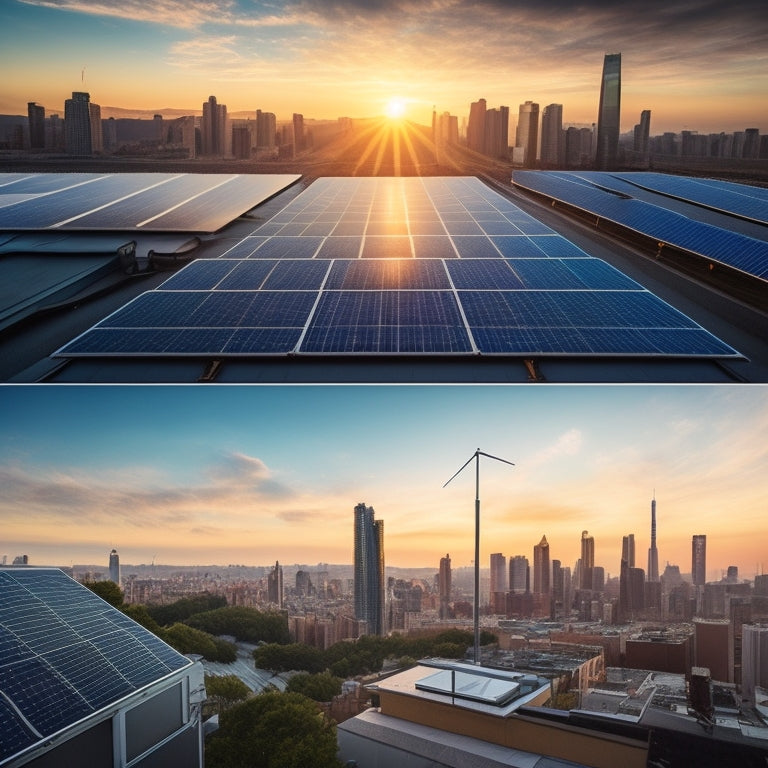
476 456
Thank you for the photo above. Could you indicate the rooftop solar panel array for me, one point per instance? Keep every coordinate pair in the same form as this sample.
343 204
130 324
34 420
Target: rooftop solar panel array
147 202
609 196
407 266
65 654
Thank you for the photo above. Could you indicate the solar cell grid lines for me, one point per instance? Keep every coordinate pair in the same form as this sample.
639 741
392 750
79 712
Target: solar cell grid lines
64 654
132 201
610 196
488 279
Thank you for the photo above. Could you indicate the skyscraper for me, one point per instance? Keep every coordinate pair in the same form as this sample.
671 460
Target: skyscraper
370 584
114 567
77 124
444 585
275 585
628 549
498 573
36 116
476 126
699 560
299 142
609 114
541 567
552 138
587 560
642 132
519 578
497 132
653 553
214 128
528 132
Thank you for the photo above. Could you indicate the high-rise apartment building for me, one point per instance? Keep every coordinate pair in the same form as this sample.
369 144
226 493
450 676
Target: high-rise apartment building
214 128
114 567
275 585
299 140
552 136
642 132
699 560
497 132
370 584
587 560
653 553
541 568
527 136
519 574
608 116
78 126
444 586
476 126
754 661
36 117
498 573
628 549
266 129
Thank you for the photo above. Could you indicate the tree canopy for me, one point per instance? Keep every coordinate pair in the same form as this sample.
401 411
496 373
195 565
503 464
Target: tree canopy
182 609
189 640
322 687
106 590
273 730
246 624
226 690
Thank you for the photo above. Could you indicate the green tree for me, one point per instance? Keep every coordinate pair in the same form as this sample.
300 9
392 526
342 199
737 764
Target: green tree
273 730
182 609
285 658
106 590
247 624
189 640
225 690
141 616
322 687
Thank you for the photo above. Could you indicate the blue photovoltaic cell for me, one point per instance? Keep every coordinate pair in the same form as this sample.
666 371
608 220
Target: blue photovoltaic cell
390 292
288 248
247 275
200 275
545 274
476 248
16 734
483 274
297 276
520 247
340 248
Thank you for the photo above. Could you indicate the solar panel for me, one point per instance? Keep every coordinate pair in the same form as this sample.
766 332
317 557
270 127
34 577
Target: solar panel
389 288
65 655
605 195
133 201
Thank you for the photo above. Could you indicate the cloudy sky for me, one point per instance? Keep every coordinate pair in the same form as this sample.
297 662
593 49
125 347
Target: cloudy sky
217 475
697 64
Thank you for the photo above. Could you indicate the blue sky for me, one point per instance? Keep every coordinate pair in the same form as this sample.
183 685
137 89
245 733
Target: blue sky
254 474
699 65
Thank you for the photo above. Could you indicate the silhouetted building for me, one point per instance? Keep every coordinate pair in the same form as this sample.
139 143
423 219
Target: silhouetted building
699 560
713 648
275 585
642 132
476 126
587 560
498 573
527 136
369 569
78 125
519 578
552 136
266 130
628 549
114 567
36 117
606 157
754 661
299 140
444 586
241 141
303 584
653 553
213 128
541 585
497 132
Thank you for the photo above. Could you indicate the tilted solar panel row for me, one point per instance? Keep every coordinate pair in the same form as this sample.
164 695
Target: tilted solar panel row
730 248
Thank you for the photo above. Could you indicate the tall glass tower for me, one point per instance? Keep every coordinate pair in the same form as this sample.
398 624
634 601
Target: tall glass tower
608 117
370 584
114 567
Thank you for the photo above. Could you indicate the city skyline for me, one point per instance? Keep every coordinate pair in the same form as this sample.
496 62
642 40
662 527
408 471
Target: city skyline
703 69
251 475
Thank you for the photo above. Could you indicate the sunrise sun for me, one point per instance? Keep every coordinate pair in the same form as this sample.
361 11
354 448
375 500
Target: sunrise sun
395 109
